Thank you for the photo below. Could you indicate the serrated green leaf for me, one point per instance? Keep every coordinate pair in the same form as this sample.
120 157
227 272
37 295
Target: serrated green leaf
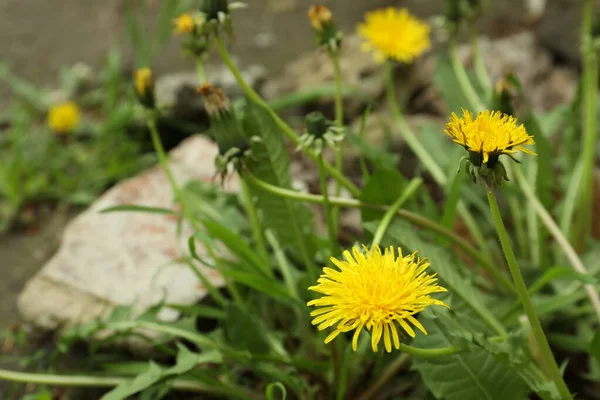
244 331
473 375
152 375
270 163
511 351
378 156
383 187
445 81
186 360
237 246
270 287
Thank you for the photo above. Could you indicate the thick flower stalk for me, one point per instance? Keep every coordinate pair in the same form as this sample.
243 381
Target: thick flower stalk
376 291
63 118
394 34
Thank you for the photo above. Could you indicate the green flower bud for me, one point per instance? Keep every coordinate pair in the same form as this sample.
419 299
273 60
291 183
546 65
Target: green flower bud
324 27
212 8
316 124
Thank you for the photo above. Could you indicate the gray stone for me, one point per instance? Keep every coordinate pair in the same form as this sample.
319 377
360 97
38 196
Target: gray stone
559 28
120 258
177 90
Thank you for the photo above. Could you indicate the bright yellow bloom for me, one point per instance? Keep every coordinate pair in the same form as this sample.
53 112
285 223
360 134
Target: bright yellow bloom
143 81
395 34
185 23
63 118
490 134
319 15
375 291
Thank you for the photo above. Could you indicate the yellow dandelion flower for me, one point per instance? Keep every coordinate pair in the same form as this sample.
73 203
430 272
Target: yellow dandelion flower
375 291
319 15
63 118
143 81
185 23
394 34
490 134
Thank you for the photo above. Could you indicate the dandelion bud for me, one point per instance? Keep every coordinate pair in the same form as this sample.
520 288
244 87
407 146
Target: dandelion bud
63 118
458 11
144 86
224 125
318 132
325 29
504 94
319 16
212 9
316 124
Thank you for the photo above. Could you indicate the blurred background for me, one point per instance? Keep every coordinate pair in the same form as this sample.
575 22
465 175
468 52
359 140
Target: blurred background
38 38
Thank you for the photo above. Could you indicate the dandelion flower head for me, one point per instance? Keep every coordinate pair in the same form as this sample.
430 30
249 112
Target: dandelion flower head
376 291
63 118
490 134
394 34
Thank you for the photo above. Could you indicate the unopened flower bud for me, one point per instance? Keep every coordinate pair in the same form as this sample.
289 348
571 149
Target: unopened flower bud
324 26
316 124
459 11
504 94
212 8
225 127
144 86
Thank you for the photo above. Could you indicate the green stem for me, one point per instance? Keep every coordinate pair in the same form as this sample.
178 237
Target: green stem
331 229
196 338
339 121
339 100
382 379
409 192
536 326
424 156
91 381
257 231
164 163
307 96
285 128
200 70
407 133
405 214
361 135
284 266
433 353
560 238
480 70
590 133
463 79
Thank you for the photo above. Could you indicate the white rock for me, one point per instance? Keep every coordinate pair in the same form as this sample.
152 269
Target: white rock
124 258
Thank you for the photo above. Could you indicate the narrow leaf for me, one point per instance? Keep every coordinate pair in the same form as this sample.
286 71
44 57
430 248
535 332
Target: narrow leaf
142 209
